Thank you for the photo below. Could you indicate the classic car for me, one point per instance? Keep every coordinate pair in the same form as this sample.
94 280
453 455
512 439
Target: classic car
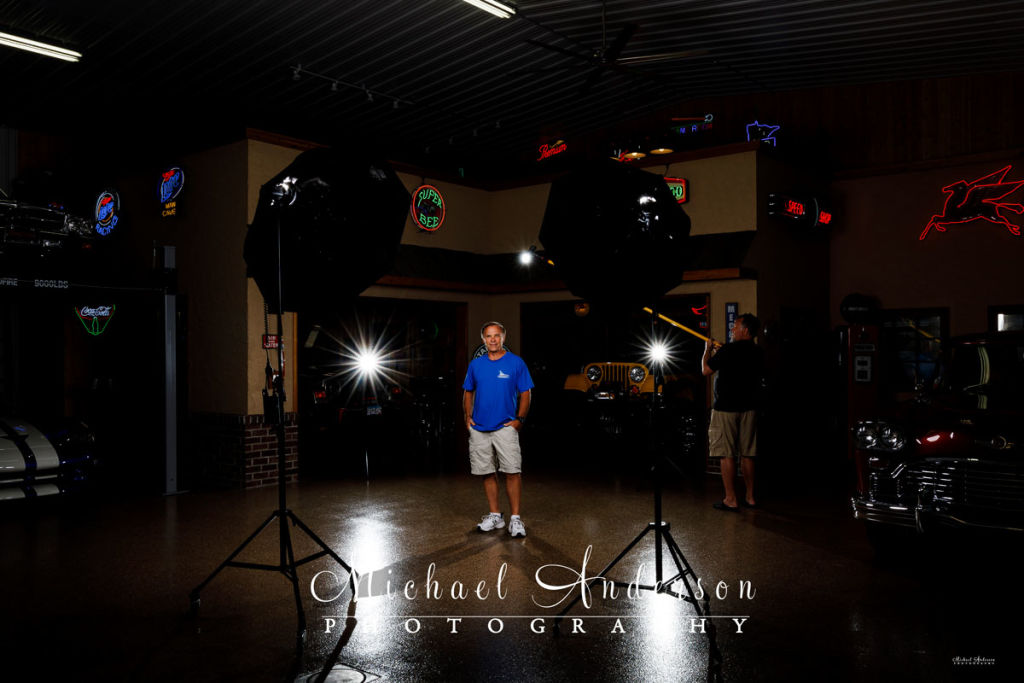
954 456
36 463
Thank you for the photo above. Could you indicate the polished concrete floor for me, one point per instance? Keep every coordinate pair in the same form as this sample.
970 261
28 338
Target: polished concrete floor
99 590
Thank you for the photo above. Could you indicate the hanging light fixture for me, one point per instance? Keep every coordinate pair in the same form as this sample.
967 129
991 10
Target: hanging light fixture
634 151
660 145
498 9
39 48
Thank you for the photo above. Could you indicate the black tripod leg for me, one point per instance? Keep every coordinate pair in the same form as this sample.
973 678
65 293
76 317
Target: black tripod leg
316 539
293 575
602 573
194 595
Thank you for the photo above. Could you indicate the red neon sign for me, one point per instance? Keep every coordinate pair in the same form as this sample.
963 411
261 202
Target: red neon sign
969 201
551 150
427 208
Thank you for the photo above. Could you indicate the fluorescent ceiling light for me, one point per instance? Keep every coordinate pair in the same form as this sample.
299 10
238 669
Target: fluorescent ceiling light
496 8
39 48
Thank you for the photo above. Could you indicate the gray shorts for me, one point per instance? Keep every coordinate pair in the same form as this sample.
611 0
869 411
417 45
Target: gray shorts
495 451
732 434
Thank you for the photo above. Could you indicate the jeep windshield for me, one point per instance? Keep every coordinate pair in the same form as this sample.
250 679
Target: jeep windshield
986 376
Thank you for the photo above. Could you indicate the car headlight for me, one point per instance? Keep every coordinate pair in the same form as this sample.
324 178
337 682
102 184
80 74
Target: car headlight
878 436
594 373
637 374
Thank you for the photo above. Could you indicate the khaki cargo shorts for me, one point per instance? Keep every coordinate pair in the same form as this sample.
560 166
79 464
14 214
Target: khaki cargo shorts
495 451
732 434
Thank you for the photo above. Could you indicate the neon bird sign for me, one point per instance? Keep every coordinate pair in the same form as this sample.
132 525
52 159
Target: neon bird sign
969 201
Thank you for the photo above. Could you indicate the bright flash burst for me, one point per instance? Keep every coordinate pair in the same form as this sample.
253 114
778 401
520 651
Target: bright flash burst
657 352
366 362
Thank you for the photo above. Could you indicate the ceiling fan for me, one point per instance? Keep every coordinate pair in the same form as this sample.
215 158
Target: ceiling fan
607 57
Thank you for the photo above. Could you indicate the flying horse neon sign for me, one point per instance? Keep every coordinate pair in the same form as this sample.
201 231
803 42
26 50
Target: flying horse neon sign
969 201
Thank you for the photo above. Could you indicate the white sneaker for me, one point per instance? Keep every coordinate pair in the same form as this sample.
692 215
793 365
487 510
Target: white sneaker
516 527
491 521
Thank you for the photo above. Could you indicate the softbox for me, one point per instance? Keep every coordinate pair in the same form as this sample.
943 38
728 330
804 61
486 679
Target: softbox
615 233
341 223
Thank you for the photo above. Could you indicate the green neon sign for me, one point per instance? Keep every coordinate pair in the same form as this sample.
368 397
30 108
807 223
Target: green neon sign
95 318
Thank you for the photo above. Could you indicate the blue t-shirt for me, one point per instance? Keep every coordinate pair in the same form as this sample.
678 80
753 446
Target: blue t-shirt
497 384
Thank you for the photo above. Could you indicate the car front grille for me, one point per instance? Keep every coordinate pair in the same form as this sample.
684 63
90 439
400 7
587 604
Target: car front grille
615 374
961 483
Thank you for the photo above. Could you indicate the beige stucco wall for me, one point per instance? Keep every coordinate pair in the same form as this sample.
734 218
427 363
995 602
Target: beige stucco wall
466 224
723 191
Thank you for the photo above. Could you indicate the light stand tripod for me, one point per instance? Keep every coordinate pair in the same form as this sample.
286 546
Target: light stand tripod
284 194
660 527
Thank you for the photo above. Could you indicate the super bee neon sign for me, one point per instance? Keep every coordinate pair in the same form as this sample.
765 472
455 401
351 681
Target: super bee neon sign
427 208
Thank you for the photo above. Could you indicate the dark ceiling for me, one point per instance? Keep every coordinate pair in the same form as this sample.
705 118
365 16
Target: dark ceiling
442 75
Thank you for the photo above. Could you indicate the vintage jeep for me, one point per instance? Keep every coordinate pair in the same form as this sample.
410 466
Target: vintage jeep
613 404
612 381
954 456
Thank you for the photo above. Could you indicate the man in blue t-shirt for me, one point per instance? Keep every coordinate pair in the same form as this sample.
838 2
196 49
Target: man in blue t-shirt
495 404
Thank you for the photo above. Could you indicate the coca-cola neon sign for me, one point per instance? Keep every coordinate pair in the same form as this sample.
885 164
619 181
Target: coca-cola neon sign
95 318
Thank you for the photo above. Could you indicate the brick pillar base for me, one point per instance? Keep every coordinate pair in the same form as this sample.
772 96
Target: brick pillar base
240 451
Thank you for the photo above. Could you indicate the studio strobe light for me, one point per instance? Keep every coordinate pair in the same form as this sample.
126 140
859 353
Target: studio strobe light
325 228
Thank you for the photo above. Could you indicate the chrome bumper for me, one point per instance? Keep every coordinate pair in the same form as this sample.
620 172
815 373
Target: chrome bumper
922 517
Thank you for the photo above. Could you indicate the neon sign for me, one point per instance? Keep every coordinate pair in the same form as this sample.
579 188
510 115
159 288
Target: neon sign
427 208
809 211
107 213
680 189
171 182
95 318
969 201
765 132
551 149
693 124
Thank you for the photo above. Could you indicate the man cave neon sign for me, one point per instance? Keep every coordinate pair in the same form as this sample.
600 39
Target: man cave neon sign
427 208
171 182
